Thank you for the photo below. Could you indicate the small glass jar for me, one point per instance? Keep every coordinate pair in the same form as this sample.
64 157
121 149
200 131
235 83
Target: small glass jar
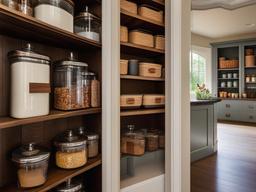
88 25
152 141
12 4
247 79
253 79
25 6
32 162
133 143
223 84
68 84
70 187
71 150
235 84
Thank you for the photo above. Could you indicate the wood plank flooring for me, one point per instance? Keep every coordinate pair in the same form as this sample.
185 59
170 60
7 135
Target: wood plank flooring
233 168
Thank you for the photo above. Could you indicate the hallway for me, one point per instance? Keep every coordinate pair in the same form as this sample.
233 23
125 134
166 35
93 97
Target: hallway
233 169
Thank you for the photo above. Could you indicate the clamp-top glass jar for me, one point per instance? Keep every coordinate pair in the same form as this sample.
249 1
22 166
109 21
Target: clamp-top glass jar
71 150
32 163
70 187
68 84
88 25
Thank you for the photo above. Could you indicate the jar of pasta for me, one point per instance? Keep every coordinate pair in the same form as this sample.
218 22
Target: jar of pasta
71 150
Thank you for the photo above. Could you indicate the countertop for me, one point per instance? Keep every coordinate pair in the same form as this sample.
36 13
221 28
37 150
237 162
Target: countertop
205 102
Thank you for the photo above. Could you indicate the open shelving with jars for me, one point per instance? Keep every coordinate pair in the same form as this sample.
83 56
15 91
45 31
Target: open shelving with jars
142 81
55 43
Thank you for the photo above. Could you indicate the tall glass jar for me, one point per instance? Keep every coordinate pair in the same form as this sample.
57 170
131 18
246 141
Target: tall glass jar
12 4
87 79
68 84
25 6
95 92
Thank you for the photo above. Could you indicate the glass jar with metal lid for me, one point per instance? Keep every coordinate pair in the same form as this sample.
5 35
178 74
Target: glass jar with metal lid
30 83
71 150
25 6
92 141
68 84
133 142
58 13
32 162
70 187
152 141
88 25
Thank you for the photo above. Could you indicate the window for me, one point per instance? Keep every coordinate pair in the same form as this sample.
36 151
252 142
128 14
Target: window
197 70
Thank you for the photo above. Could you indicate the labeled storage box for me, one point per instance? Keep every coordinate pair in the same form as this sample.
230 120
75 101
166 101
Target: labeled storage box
160 42
151 13
130 101
128 6
123 67
141 38
153 100
150 70
123 34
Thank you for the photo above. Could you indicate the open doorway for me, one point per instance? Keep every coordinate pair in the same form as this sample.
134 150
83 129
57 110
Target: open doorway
223 126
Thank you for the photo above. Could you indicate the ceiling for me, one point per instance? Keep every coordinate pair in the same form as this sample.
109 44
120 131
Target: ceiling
219 22
227 4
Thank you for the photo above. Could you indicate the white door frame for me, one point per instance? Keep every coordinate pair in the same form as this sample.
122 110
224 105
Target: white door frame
177 174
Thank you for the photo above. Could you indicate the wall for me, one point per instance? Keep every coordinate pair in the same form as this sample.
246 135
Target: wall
200 41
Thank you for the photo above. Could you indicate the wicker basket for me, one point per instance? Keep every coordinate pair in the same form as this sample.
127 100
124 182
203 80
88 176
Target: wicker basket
128 6
152 101
226 64
160 42
249 52
150 70
151 13
130 101
141 38
123 67
123 34
249 61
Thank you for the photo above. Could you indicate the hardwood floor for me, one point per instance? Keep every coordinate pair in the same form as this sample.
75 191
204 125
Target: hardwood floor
233 168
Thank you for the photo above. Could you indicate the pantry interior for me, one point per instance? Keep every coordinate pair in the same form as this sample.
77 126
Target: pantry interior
54 107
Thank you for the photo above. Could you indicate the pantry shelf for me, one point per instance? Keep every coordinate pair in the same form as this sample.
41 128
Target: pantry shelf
134 21
229 69
6 122
57 176
131 48
141 112
154 3
30 28
133 77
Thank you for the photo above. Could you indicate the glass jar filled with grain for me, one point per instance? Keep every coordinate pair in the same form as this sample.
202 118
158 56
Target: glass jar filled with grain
68 84
71 150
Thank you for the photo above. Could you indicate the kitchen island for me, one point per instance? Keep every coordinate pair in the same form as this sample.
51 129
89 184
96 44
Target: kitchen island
203 128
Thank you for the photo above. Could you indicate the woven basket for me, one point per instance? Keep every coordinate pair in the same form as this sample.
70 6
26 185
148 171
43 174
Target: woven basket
130 101
123 34
151 101
150 69
123 67
129 6
249 52
249 61
141 38
150 13
160 42
226 64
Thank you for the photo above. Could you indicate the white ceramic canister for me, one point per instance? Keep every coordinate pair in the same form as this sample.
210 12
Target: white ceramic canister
58 13
30 83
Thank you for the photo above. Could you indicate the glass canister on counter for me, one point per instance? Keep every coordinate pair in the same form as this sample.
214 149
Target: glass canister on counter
68 84
92 141
71 150
58 13
25 7
12 4
30 83
88 25
152 141
32 163
133 142
70 186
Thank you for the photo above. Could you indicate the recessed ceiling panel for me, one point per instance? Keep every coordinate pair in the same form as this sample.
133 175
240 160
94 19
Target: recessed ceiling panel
226 4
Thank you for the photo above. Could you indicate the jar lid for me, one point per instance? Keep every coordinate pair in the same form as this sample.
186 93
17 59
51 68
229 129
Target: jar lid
70 187
92 136
30 153
27 54
71 62
69 141
86 15
134 134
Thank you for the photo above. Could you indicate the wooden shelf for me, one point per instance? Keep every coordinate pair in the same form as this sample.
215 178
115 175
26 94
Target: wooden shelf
134 21
154 3
57 176
131 48
6 122
228 87
133 77
141 112
250 82
230 69
254 67
228 78
31 29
